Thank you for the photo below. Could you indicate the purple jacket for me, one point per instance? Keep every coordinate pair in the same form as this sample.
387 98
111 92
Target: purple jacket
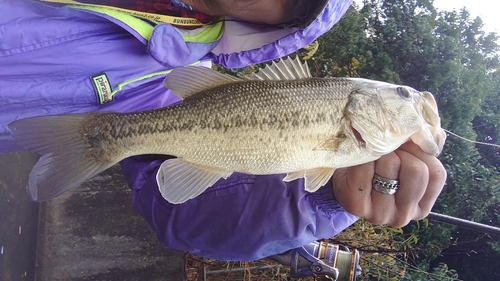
47 56
242 218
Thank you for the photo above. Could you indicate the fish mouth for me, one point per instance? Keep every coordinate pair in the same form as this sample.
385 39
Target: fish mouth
358 137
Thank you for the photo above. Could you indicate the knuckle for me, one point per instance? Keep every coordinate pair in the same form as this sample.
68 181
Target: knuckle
423 211
377 220
402 219
399 222
422 215
380 218
390 160
418 169
437 173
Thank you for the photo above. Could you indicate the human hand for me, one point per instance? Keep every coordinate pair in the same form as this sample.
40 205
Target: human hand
421 177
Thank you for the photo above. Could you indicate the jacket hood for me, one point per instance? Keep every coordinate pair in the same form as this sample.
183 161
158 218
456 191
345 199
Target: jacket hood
243 44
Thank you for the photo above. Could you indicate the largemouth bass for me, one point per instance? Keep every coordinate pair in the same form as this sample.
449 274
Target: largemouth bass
281 120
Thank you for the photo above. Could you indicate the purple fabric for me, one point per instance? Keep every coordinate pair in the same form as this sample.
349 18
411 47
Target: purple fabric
47 55
46 62
165 37
288 44
242 218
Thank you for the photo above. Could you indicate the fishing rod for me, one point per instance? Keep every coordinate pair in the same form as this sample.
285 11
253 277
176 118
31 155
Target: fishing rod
461 222
465 223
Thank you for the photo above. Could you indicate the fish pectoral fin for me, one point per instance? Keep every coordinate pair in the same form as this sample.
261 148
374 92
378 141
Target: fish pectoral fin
180 181
190 80
313 178
289 69
316 178
331 144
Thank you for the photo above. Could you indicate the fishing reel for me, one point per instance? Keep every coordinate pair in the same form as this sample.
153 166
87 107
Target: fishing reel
324 260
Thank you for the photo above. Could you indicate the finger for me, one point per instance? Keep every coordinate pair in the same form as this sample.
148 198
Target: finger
413 180
384 206
436 181
352 188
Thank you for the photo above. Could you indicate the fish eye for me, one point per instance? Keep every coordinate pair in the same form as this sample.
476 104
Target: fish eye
404 92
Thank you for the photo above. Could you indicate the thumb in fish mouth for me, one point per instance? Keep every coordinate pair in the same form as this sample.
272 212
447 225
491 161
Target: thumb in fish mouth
431 137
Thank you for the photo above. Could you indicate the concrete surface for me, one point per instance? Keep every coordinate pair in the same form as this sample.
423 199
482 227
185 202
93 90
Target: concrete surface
93 233
18 218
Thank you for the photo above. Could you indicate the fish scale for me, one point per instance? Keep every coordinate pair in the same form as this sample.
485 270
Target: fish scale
197 130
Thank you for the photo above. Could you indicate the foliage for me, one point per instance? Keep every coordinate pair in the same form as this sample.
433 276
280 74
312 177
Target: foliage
197 268
389 253
447 53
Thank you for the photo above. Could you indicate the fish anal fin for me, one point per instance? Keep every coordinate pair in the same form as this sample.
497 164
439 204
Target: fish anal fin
180 180
313 178
190 80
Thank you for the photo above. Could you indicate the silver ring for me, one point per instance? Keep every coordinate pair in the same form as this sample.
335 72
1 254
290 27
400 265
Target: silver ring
385 186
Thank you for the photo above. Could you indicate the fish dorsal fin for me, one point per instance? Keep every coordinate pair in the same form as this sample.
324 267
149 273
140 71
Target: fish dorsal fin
180 181
289 69
190 80
313 178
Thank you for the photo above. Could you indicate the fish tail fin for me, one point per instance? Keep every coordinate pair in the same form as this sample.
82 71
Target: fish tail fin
63 164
